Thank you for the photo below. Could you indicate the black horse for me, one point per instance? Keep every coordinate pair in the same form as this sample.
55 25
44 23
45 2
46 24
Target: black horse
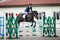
29 18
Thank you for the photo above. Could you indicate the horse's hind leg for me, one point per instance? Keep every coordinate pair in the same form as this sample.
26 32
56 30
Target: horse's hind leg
26 18
18 23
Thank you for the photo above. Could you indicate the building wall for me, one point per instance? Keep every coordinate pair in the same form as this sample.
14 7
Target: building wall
26 2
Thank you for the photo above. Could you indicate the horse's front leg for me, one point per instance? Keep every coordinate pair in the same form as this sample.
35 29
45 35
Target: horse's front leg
35 24
32 24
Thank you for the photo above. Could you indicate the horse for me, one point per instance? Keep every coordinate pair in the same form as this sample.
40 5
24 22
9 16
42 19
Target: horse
28 18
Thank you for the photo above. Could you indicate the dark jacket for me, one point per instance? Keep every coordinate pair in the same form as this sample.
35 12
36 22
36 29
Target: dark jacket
28 9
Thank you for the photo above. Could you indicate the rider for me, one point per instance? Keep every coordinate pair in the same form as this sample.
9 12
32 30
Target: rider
28 9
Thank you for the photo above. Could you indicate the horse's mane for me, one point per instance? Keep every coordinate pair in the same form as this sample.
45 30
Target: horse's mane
35 12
